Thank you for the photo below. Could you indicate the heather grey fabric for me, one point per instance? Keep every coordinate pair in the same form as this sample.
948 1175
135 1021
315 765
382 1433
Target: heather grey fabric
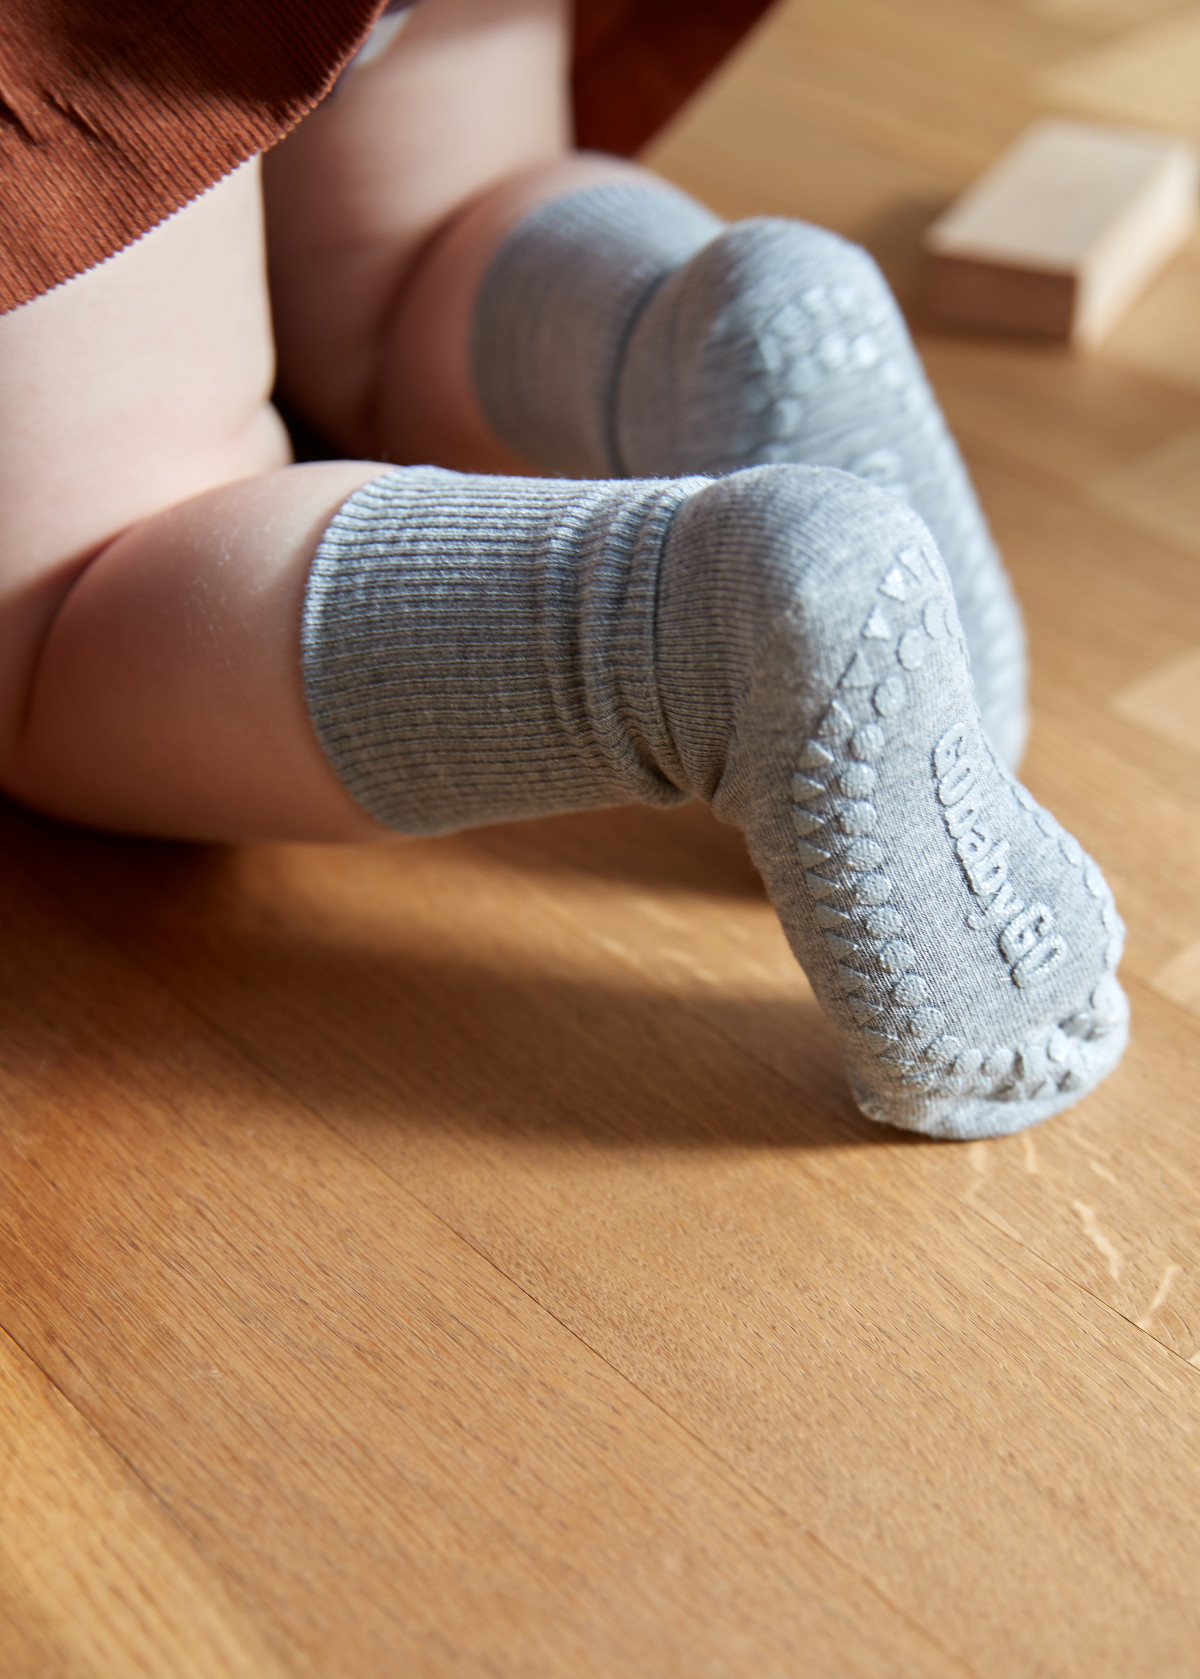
624 330
478 649
556 308
783 643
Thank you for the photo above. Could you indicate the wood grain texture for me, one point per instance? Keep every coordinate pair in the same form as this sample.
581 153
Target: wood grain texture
1162 335
407 1463
1146 76
80 1533
1160 490
465 1260
1180 978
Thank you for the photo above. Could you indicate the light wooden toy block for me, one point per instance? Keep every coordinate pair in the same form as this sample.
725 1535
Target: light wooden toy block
1062 233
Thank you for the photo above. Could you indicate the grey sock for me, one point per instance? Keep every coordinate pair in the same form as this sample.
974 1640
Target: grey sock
617 333
783 643
478 649
556 308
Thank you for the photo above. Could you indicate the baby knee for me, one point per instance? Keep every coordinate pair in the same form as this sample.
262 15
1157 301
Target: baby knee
760 322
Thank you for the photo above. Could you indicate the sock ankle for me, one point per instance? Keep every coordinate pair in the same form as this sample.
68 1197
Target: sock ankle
479 649
625 330
784 643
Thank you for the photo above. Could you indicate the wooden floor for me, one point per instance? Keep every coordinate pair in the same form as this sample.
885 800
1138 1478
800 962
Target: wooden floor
466 1261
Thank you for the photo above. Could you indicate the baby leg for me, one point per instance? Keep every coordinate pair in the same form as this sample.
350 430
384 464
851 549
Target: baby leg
153 550
319 653
527 307
469 95
622 329
781 642
141 382
167 696
784 644
153 546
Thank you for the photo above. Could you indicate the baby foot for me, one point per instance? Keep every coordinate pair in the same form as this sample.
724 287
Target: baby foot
962 941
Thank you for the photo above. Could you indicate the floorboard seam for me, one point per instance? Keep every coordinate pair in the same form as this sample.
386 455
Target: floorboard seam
294 1661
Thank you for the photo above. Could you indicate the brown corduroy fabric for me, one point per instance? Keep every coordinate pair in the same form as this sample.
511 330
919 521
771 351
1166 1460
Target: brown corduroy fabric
114 113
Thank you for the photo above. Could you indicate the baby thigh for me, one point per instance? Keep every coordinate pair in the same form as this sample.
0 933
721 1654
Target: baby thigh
134 386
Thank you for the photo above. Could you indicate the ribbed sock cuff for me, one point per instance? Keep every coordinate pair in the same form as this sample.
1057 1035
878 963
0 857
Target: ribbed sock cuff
477 649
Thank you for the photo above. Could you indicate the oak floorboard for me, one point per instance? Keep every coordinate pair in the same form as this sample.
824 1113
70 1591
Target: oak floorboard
1143 77
1160 491
815 1299
77 1525
400 1460
1051 415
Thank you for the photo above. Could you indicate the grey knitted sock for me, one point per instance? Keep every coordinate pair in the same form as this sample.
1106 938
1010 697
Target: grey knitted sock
620 330
784 643
555 312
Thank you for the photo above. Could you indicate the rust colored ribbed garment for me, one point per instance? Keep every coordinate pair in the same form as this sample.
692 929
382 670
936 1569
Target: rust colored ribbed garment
115 113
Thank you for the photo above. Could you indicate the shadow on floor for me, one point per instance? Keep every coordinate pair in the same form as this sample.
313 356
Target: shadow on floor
391 987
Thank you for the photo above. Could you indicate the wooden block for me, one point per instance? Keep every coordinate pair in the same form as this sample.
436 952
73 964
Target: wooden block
1063 232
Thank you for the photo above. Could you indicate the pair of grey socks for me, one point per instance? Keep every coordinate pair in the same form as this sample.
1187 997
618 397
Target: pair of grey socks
625 331
783 642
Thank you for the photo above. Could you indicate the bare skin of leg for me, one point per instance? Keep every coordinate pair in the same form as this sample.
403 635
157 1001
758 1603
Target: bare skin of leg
154 542
374 271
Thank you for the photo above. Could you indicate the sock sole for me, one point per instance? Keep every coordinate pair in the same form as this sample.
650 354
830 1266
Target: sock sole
963 942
